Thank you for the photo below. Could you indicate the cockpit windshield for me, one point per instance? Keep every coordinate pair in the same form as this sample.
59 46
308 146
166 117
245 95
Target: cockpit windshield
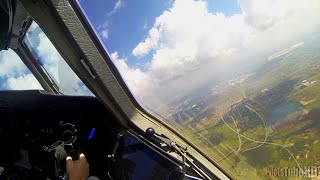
239 79
52 63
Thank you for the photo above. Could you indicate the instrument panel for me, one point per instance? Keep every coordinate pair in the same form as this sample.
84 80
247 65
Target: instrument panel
40 130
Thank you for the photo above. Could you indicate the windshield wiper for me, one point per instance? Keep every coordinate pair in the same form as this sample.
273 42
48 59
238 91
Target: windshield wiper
170 146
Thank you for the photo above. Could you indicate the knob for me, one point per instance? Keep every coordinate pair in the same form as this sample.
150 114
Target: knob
150 131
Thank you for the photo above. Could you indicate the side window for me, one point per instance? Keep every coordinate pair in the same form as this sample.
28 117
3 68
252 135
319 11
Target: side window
14 74
53 63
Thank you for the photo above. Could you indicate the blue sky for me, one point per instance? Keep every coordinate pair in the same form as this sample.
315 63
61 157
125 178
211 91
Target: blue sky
194 41
195 44
228 7
123 34
131 21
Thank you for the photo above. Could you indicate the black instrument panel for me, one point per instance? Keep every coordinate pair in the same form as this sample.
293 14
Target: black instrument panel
35 124
36 127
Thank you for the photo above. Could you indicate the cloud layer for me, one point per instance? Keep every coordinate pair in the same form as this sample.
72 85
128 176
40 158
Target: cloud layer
14 74
68 82
188 44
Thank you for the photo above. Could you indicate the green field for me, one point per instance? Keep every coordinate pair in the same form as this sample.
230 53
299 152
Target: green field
271 120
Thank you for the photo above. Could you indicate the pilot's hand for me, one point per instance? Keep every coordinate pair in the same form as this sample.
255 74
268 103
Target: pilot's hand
79 169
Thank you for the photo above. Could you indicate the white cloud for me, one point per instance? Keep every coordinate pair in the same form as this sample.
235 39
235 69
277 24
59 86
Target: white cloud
10 64
187 36
138 80
150 43
24 82
33 26
118 4
264 14
105 33
68 82
116 7
190 45
48 55
15 74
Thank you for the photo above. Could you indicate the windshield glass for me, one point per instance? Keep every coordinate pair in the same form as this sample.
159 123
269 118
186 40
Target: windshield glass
238 78
14 74
53 64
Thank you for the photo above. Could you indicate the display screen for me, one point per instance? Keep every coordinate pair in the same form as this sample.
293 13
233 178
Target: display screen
138 161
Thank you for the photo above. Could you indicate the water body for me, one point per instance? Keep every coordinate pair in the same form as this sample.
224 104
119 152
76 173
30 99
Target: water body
280 111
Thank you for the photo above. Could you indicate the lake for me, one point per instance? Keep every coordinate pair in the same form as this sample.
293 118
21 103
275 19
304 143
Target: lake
280 111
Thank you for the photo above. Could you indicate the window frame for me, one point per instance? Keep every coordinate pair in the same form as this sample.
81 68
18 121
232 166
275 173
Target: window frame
34 60
75 40
29 60
149 116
